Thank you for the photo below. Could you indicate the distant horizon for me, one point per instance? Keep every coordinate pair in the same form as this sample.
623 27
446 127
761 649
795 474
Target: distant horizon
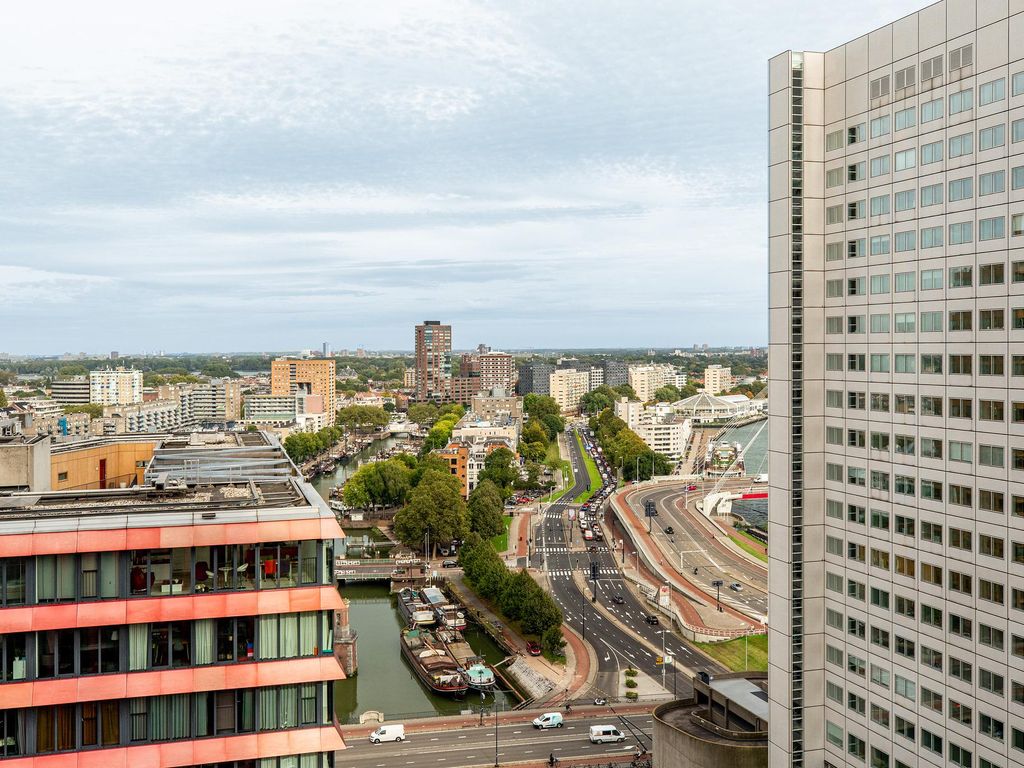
57 356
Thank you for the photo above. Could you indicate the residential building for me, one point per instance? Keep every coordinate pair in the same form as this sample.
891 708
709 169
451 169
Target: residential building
596 377
433 350
489 405
717 379
139 632
461 389
466 458
306 412
409 378
895 467
306 377
567 386
151 416
24 458
115 386
616 372
663 430
473 427
535 378
648 379
71 391
63 425
497 371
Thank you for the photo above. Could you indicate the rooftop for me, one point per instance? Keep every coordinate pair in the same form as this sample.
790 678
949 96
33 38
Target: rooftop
149 499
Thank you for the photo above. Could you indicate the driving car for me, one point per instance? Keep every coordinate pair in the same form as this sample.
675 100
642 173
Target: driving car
669 530
651 619
736 587
449 563
533 648
618 599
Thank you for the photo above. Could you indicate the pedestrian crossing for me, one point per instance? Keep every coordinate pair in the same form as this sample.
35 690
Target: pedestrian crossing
602 572
565 550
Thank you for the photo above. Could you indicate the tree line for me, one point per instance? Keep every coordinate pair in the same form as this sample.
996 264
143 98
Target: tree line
516 595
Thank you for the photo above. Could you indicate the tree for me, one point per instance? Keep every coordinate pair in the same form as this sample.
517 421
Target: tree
534 432
3 399
517 597
362 417
500 467
389 407
485 510
552 641
624 390
540 405
668 394
553 425
423 414
435 505
95 410
395 484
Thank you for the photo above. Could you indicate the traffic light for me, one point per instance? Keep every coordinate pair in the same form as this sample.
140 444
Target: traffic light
593 570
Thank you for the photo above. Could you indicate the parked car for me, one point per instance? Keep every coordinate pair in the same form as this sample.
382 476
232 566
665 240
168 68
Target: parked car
449 563
533 648
651 619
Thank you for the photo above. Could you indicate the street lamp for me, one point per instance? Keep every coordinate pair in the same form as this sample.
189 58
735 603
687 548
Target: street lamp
622 546
495 732
717 584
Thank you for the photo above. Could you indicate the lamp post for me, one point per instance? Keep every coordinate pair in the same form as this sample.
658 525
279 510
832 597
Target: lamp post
495 732
622 546
717 584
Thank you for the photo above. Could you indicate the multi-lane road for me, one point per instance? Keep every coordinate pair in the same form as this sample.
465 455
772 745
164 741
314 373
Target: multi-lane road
629 639
692 545
475 745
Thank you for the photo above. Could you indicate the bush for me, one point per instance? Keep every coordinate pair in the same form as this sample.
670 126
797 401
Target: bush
631 672
632 695
631 683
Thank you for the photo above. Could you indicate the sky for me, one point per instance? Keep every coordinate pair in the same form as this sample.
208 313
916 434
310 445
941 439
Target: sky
228 176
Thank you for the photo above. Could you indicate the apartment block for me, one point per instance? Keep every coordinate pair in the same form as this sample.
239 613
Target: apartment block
433 351
896 405
535 378
115 386
137 631
306 377
616 373
648 379
567 386
71 391
718 379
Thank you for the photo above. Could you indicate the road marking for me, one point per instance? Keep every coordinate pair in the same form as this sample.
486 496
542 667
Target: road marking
434 739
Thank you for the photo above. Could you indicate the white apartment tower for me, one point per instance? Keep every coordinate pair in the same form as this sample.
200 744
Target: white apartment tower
115 386
896 260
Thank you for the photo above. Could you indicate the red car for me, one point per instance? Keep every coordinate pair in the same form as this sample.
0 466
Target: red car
691 488
533 648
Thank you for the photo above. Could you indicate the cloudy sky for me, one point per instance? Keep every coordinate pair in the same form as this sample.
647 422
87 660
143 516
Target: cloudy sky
229 175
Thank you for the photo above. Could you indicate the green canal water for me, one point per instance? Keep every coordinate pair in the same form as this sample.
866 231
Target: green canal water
385 682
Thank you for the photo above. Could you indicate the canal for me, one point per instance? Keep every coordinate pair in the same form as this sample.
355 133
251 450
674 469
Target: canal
344 470
385 681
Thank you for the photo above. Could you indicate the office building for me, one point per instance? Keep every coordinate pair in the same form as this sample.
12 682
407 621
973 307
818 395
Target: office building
71 391
140 632
115 386
306 377
896 467
595 377
718 379
567 386
616 372
433 352
535 378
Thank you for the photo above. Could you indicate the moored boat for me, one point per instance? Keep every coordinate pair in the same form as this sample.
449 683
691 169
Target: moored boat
435 668
415 609
449 615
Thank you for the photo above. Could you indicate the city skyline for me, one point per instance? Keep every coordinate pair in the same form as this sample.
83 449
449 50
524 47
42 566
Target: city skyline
334 168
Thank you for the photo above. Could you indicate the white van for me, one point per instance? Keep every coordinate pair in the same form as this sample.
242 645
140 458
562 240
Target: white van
548 720
601 734
394 732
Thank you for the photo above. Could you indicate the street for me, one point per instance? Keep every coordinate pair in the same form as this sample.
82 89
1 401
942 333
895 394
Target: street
475 745
615 642
695 547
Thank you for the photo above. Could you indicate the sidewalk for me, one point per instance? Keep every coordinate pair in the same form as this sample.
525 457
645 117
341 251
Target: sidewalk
562 676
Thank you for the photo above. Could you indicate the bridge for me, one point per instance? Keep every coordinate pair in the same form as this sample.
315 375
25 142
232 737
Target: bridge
400 572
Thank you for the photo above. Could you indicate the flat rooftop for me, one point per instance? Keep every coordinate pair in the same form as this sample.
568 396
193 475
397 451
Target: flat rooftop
148 499
743 692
